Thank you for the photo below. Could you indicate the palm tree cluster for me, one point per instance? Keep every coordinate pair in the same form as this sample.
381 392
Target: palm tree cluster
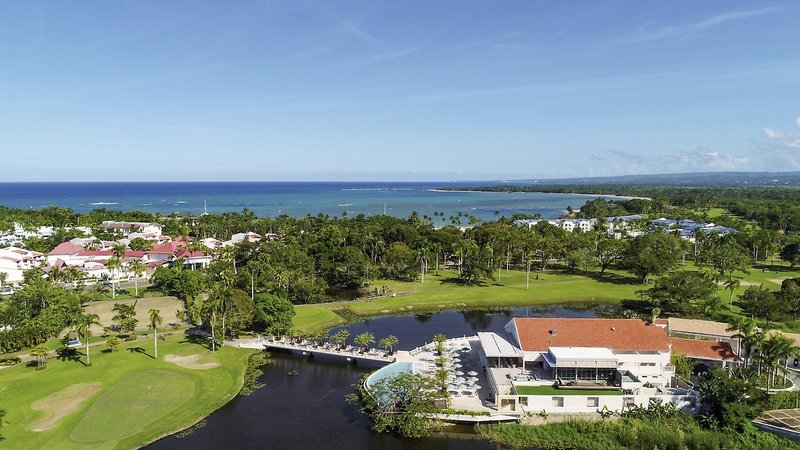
769 351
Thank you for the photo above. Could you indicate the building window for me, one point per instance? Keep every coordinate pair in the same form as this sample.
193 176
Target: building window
628 402
558 402
593 402
523 401
587 374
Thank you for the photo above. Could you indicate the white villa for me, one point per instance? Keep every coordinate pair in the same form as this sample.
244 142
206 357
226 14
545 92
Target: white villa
14 261
568 225
618 363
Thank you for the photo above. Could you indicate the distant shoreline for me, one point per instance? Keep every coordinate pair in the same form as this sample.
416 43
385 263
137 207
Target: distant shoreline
623 197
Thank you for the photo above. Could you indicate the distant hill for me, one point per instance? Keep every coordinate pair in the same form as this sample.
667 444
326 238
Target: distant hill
741 179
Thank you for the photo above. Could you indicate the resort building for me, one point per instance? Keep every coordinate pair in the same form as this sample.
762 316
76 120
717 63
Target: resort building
688 229
126 228
15 261
568 225
580 365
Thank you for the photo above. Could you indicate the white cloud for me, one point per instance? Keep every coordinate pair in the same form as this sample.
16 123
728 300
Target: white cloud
699 160
782 148
772 134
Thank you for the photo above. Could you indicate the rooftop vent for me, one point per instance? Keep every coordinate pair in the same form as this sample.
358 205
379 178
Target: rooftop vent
613 328
553 332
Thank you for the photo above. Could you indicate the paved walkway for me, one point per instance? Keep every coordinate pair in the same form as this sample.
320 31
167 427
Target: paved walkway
325 349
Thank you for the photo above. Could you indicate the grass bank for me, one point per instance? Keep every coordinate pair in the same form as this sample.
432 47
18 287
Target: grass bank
633 434
124 399
555 287
444 292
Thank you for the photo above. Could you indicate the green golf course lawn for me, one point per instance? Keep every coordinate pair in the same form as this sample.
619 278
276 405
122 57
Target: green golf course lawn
443 292
123 400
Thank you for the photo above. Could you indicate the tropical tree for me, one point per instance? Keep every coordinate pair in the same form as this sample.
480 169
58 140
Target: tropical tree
136 267
681 291
125 318
724 256
40 353
210 308
440 339
790 294
408 402
364 340
388 343
113 264
340 338
155 322
112 343
731 284
273 313
748 334
609 251
85 324
653 254
774 349
654 313
730 400
762 303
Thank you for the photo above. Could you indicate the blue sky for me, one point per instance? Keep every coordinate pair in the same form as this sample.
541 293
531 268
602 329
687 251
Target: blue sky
401 90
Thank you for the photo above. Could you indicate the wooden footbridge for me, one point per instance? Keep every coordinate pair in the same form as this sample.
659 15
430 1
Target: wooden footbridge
346 354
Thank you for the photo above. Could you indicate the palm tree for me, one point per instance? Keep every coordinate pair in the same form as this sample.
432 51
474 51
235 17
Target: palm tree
340 338
388 343
364 340
114 264
40 353
155 322
654 314
85 323
440 339
732 284
137 268
748 334
210 307
774 349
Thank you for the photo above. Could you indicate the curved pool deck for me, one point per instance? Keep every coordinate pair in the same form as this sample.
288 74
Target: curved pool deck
393 369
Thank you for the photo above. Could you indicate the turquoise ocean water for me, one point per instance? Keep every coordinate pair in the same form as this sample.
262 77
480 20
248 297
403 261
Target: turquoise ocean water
292 198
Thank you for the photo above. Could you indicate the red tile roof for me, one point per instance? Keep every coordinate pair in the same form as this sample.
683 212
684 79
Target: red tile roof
66 248
538 334
95 253
169 248
187 254
701 349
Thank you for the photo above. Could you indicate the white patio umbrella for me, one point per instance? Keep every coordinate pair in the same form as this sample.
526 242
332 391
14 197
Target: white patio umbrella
476 386
459 373
472 373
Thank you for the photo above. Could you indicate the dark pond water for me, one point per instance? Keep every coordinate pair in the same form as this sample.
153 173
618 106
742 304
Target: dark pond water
308 411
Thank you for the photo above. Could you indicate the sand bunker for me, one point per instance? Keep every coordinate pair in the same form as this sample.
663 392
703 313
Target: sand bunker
742 283
190 362
60 404
779 280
